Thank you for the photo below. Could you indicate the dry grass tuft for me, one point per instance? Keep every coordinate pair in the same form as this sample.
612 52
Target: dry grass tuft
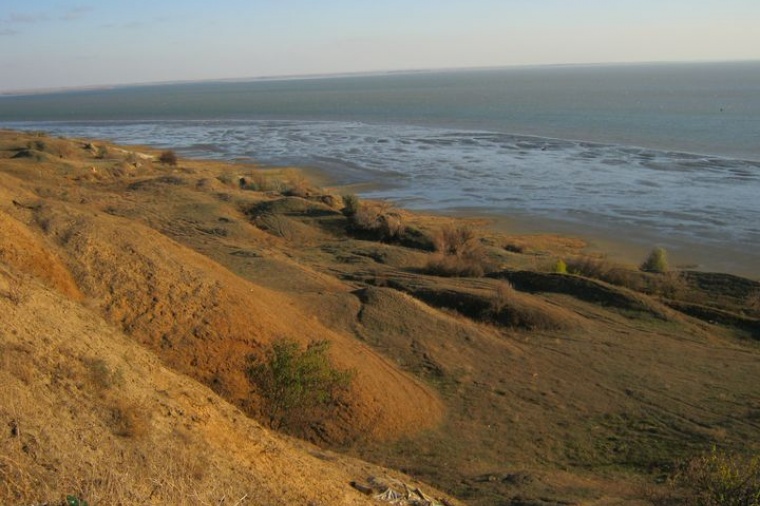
296 185
102 376
16 291
129 419
604 270
518 310
753 301
378 220
168 157
458 252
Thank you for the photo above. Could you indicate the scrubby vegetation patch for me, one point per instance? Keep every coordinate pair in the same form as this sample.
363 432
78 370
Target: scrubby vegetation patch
299 386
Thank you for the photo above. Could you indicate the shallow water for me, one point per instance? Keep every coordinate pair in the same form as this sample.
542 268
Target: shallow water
442 142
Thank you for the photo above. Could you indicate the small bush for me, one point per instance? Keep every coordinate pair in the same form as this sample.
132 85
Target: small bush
503 294
719 479
604 270
168 157
753 301
102 376
101 152
560 267
657 261
459 252
129 419
351 204
377 219
296 383
513 309
16 293
37 145
259 181
296 185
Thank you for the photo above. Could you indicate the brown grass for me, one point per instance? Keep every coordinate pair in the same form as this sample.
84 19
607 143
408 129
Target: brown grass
522 311
458 252
378 220
129 418
16 291
177 287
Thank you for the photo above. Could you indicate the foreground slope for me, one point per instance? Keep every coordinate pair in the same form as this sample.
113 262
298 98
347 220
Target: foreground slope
87 412
203 320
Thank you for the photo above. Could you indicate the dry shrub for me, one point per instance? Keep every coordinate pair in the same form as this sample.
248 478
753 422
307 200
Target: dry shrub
101 375
503 294
515 247
518 310
296 185
459 252
256 181
442 265
259 182
351 204
278 225
168 157
604 270
16 292
65 149
226 178
671 285
753 301
458 241
378 219
15 481
129 419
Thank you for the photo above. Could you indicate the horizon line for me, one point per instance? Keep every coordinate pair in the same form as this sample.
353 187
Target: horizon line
361 73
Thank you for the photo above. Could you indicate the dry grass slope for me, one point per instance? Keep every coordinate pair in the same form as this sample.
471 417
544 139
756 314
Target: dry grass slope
87 412
135 295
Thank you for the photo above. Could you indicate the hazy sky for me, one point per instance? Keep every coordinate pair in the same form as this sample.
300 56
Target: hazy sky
59 43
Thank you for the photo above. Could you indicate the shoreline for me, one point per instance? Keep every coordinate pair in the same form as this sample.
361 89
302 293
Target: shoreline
629 248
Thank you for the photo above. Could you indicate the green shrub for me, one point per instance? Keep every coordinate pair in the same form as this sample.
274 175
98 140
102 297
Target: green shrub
297 385
560 267
657 261
719 479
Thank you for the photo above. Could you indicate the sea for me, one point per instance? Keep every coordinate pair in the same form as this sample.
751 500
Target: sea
643 155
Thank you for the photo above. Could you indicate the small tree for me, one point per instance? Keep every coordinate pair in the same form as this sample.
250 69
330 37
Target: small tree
168 157
657 261
296 383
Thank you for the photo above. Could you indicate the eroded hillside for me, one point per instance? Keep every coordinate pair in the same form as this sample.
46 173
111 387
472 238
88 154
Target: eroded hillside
499 368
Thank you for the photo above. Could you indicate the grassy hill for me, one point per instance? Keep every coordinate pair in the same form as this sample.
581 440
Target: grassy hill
138 296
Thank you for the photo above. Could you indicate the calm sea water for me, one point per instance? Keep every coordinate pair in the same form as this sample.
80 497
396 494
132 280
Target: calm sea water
665 153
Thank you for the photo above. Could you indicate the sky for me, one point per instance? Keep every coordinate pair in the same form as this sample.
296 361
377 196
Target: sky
48 44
